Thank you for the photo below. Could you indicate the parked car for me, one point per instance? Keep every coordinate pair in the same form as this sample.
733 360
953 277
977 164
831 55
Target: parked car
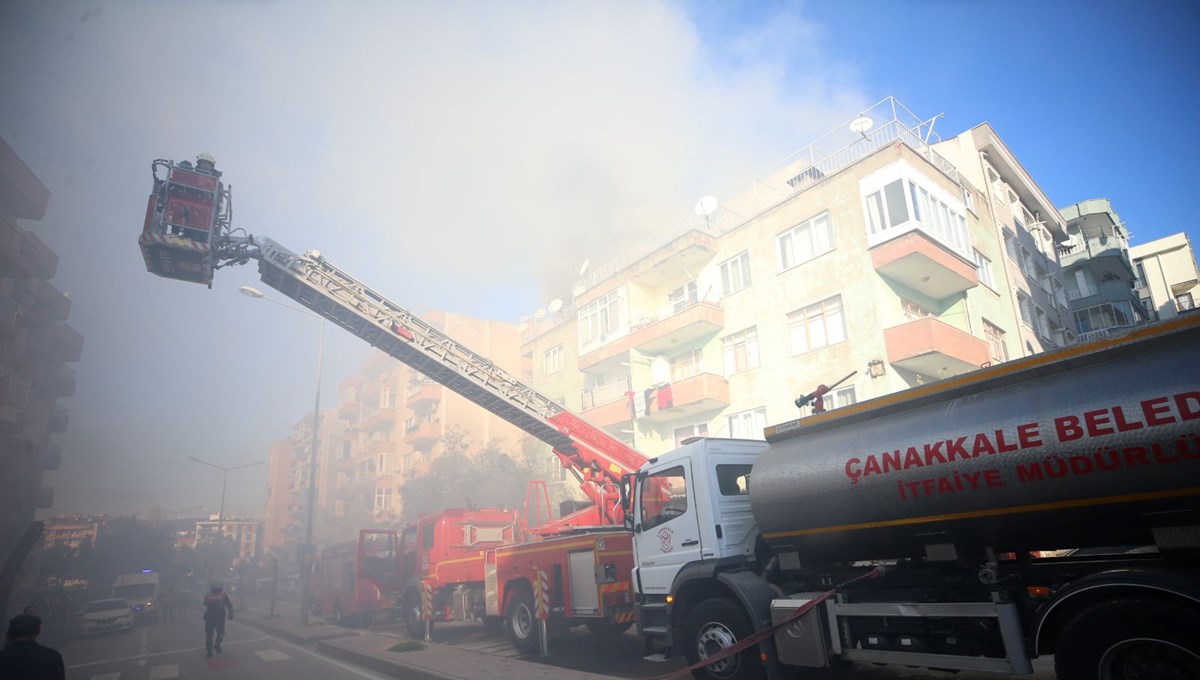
106 615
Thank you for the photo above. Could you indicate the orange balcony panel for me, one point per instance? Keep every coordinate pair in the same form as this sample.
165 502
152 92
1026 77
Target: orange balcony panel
660 335
379 419
692 396
349 410
426 393
934 348
926 266
606 415
422 434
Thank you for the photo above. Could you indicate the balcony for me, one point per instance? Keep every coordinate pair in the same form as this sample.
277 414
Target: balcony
50 459
56 306
378 419
57 342
423 433
934 348
1108 254
64 383
921 263
606 405
58 420
660 333
349 410
423 392
1105 291
45 498
691 397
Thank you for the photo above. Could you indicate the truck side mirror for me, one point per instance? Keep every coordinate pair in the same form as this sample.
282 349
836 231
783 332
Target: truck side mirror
627 501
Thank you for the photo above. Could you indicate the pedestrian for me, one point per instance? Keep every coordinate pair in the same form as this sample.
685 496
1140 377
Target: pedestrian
168 604
24 658
216 604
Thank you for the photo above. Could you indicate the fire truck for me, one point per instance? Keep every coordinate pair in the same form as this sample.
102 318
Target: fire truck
357 580
578 565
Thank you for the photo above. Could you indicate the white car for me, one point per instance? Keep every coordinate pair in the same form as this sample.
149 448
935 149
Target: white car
106 615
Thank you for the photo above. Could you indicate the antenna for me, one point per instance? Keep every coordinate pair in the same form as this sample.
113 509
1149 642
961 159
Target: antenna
584 267
555 305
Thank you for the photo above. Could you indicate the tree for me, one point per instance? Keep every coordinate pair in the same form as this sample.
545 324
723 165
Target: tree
489 477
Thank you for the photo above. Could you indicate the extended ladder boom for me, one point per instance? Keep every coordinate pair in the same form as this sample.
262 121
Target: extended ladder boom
596 458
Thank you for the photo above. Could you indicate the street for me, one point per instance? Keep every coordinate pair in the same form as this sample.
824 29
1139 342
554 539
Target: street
175 649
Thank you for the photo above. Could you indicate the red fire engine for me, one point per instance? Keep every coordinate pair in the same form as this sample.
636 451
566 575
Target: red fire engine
354 581
584 558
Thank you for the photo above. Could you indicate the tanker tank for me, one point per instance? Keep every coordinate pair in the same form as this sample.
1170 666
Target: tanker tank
1094 445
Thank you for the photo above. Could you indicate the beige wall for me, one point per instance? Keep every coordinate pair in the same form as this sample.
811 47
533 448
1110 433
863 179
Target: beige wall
1171 273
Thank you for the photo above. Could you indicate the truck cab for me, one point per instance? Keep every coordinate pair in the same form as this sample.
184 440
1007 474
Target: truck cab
690 517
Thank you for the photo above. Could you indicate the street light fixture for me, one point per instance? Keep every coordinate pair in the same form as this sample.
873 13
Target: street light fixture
307 561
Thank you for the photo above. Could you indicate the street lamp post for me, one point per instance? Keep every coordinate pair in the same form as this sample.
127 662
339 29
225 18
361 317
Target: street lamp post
225 470
307 561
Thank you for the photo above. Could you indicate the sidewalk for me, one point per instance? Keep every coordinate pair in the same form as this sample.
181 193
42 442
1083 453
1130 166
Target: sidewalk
370 650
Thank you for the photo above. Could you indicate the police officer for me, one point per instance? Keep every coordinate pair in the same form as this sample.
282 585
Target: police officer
216 603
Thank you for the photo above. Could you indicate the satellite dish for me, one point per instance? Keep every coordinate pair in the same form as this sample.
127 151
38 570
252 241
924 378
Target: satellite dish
579 290
555 305
539 314
862 124
523 327
706 206
525 319
584 267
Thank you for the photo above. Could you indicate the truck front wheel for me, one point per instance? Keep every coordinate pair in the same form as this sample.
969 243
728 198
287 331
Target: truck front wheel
522 624
1130 639
712 627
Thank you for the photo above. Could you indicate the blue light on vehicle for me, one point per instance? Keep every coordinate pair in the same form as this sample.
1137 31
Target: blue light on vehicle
147 571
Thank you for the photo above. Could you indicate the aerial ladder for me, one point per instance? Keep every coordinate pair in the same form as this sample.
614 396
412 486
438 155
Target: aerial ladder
188 235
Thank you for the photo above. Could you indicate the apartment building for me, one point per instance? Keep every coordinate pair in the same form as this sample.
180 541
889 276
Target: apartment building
35 345
1168 284
1099 276
878 254
71 531
283 525
245 535
387 427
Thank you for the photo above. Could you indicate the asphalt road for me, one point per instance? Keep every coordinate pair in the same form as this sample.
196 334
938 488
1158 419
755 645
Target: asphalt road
175 649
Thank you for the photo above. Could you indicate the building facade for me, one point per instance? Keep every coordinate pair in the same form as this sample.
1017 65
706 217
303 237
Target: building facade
1168 284
1098 273
878 255
35 346
245 535
71 531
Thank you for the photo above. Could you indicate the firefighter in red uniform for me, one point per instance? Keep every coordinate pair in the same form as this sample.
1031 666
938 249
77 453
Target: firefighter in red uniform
216 603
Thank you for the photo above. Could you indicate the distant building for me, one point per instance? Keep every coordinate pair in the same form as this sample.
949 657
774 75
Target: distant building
245 534
72 531
1099 276
1167 277
35 343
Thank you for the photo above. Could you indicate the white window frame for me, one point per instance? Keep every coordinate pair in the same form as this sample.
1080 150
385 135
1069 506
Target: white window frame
735 273
693 430
996 342
601 319
926 207
552 360
741 424
816 231
1025 305
747 338
822 323
838 398
984 266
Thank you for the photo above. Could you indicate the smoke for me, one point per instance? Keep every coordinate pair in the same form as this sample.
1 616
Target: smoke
455 155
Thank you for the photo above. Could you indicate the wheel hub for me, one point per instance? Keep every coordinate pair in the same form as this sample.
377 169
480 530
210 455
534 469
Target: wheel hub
715 638
1148 659
522 622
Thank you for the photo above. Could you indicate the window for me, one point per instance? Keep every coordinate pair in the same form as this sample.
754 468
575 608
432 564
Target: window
804 241
817 325
687 364
1104 316
984 266
1043 325
1141 275
1010 246
599 318
387 397
664 497
995 338
689 431
887 208
427 536
1026 262
735 273
739 351
902 200
734 480
968 197
1183 302
748 424
683 297
552 361
912 311
839 398
1025 305
383 499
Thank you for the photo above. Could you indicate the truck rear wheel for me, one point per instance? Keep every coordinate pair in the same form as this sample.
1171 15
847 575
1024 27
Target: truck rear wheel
1130 639
522 624
712 627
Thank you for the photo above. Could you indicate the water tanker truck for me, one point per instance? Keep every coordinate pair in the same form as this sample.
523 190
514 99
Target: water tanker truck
1046 506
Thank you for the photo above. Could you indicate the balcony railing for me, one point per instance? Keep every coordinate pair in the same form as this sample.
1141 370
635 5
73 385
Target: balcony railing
1080 293
891 123
605 394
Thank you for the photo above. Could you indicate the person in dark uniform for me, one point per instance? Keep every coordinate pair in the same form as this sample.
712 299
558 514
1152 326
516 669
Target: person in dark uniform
216 604
23 657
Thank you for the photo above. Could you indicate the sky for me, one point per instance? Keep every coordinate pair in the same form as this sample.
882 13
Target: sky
469 156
